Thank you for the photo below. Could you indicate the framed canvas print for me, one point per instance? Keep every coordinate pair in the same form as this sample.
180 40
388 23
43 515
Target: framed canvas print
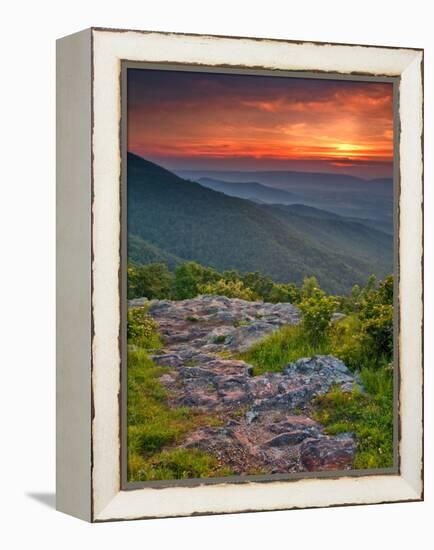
239 266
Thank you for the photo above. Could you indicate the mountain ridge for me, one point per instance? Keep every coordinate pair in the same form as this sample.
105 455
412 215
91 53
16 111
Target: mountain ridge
250 190
338 193
192 222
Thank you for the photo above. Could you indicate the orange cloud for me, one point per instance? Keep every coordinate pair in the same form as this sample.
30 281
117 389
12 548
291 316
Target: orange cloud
268 118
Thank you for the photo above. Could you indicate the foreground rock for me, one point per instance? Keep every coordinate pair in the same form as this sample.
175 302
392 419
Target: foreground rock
225 385
275 445
265 420
261 433
211 324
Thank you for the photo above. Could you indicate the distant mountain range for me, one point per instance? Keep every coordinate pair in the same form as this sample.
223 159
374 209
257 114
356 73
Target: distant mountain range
338 193
251 190
171 219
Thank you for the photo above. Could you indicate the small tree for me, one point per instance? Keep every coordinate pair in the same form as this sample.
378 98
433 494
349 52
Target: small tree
142 330
349 304
385 290
149 281
317 310
370 287
231 275
132 291
356 294
284 293
294 293
379 329
188 277
309 288
260 284
376 314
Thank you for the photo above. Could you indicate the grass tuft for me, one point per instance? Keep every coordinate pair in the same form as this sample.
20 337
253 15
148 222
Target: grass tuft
368 416
192 319
177 464
152 424
280 348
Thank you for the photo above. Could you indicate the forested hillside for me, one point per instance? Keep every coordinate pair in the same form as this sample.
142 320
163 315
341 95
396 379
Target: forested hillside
171 220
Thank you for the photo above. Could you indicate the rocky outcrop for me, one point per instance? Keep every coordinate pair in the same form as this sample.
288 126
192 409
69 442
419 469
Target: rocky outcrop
225 385
211 324
265 420
271 444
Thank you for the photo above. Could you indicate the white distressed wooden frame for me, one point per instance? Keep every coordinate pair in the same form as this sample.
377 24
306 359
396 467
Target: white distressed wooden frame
88 310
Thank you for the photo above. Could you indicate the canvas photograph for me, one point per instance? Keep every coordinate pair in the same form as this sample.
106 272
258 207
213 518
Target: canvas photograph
260 256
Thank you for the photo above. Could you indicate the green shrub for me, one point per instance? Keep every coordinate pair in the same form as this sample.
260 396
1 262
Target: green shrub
317 310
260 284
365 338
370 343
379 329
355 293
309 288
188 277
155 281
231 275
231 289
348 343
284 293
349 304
149 281
361 340
142 330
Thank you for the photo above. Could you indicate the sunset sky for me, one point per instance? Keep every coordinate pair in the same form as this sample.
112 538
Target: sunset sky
204 121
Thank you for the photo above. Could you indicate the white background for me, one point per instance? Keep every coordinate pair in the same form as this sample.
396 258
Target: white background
27 390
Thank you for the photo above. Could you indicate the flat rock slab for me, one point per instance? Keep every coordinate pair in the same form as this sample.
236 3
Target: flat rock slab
275 444
214 324
266 426
226 385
